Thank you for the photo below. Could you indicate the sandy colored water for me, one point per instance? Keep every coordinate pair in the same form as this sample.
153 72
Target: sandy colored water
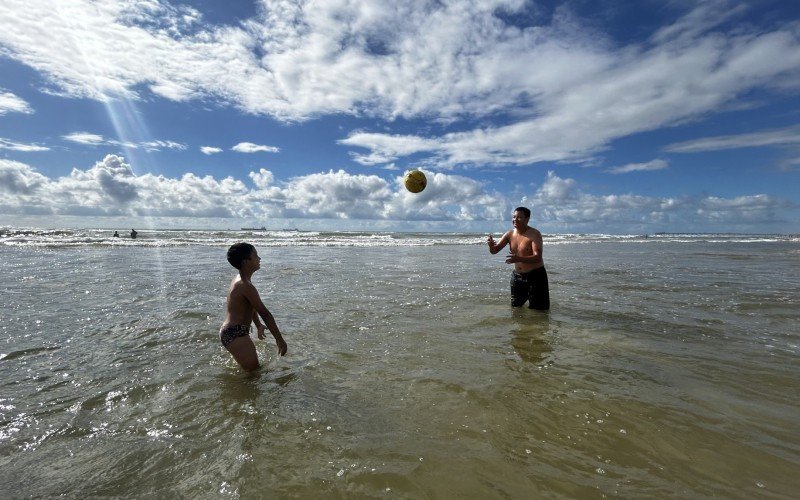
662 370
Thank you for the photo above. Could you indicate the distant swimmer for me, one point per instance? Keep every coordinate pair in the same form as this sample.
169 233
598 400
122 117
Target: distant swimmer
529 278
116 234
244 306
133 234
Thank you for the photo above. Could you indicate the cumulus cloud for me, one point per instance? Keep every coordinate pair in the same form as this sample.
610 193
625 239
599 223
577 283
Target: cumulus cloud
11 103
572 88
90 139
559 203
210 150
556 190
110 187
249 147
18 180
337 195
657 164
17 146
447 197
262 179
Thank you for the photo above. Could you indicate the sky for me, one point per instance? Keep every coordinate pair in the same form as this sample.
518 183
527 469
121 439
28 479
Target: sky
600 116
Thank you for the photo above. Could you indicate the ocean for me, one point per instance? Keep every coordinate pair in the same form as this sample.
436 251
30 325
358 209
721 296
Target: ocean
667 367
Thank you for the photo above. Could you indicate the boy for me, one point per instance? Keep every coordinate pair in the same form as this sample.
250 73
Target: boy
244 305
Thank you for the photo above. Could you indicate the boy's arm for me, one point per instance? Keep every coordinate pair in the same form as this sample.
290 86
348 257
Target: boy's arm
252 296
259 326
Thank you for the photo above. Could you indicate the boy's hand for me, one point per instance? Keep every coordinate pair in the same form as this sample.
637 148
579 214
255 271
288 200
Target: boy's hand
260 329
282 347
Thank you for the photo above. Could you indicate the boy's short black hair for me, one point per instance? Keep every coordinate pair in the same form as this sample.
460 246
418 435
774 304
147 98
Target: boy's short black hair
238 253
525 211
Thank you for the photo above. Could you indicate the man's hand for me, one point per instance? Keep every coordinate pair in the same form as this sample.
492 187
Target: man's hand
282 347
511 258
492 246
260 329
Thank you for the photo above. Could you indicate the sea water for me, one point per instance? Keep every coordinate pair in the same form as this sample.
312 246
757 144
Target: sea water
667 366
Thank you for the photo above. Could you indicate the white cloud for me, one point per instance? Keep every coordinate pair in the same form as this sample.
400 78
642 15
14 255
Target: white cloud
85 138
558 203
639 89
446 197
210 150
789 136
249 147
262 179
18 180
17 146
790 164
11 103
705 16
337 195
90 139
571 89
159 145
557 190
385 147
657 164
111 188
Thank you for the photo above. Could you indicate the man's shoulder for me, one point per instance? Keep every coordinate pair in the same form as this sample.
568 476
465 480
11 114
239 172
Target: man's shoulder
241 285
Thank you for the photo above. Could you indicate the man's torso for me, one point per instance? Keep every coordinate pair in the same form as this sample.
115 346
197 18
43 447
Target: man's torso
522 243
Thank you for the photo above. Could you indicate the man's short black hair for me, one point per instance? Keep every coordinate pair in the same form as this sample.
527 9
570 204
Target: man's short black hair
525 211
238 253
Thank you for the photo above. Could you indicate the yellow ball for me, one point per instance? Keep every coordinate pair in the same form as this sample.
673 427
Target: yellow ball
415 181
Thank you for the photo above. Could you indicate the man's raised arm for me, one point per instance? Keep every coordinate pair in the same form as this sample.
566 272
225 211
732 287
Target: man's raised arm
494 248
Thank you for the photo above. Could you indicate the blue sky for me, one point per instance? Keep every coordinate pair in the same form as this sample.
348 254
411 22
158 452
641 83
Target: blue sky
601 116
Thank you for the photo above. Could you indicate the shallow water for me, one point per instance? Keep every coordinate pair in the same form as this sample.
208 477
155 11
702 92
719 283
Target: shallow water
663 369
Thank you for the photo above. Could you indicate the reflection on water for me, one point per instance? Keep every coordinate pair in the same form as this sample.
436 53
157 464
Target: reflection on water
240 387
529 335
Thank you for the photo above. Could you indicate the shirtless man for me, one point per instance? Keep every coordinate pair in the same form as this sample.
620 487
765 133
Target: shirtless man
245 306
529 278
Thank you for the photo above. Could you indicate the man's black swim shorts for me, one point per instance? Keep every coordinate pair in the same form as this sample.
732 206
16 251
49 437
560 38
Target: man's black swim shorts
532 287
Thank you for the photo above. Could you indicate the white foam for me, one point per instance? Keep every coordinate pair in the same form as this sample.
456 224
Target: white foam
27 237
